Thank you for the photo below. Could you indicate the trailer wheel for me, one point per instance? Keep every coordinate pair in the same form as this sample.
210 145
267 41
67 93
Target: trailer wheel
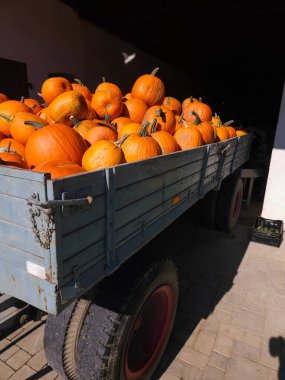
126 331
228 204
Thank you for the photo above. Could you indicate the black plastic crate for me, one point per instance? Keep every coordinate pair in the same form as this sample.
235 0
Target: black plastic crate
267 231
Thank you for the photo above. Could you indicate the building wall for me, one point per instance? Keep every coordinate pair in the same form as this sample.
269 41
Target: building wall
49 37
274 201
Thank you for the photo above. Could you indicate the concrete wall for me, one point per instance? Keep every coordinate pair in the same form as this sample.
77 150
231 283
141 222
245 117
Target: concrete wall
49 37
274 201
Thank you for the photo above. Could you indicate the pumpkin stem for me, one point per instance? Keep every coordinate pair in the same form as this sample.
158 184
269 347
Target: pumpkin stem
154 71
119 143
7 118
22 99
44 104
200 99
167 100
78 81
34 124
74 121
197 118
228 122
39 94
107 118
159 112
103 79
191 100
7 149
153 126
143 131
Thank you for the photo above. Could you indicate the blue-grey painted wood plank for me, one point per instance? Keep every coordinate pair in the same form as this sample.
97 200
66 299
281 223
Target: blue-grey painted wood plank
14 210
83 237
19 257
19 284
23 174
21 187
84 258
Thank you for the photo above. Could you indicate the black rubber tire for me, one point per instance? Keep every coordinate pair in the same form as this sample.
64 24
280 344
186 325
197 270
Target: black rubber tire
107 327
54 338
228 204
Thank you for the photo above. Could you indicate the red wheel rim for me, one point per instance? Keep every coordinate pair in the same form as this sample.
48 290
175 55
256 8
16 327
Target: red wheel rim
149 333
237 205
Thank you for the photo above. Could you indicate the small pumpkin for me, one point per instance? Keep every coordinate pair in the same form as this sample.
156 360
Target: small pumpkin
102 131
69 103
165 119
189 100
109 86
140 146
78 86
130 128
104 101
188 137
103 154
14 145
11 157
240 132
34 104
166 141
83 126
120 121
135 109
206 128
222 133
3 97
231 130
149 88
7 111
173 104
216 120
54 86
202 109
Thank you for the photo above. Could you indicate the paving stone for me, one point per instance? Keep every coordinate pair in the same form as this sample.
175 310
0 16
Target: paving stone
212 324
5 371
213 373
252 303
169 376
32 343
223 345
23 373
18 359
226 306
191 356
8 351
267 373
219 361
192 373
38 361
205 342
267 357
247 320
246 350
177 367
222 315
246 368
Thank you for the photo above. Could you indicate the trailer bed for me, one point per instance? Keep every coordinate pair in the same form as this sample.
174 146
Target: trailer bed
55 245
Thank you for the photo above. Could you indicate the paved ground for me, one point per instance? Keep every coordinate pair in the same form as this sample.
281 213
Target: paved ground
230 322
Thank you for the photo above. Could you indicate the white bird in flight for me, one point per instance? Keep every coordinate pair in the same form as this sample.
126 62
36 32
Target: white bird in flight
128 58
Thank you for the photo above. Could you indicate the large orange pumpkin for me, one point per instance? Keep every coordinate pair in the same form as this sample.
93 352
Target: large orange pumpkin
14 145
222 133
149 88
173 104
109 86
130 128
83 126
78 86
10 157
208 131
101 132
20 128
240 132
56 142
34 104
135 109
120 121
3 97
166 141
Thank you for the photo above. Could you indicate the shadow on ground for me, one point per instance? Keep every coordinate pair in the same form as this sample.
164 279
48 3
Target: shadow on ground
208 262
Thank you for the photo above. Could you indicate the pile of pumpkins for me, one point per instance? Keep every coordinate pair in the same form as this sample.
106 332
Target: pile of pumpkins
73 130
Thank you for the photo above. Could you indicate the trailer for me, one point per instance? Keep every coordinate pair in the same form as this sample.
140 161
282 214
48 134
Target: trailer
70 248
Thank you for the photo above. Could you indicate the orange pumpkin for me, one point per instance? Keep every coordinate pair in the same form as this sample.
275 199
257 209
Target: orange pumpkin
231 130
45 115
173 104
7 111
69 103
10 157
216 120
130 128
179 122
52 87
222 133
34 104
240 132
83 126
56 142
3 97
206 128
202 110
104 101
135 109
20 128
91 114
164 117
189 100
103 154
188 137
120 121
149 88
101 132
59 169
166 141
140 146
14 145
108 86
82 89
